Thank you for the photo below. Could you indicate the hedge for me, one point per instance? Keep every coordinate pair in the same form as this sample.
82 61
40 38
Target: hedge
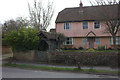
86 58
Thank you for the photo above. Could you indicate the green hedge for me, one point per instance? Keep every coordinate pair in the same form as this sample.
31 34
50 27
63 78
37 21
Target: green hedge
87 58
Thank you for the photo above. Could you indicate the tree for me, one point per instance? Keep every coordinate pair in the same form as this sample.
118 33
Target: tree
23 39
61 39
40 16
112 21
11 24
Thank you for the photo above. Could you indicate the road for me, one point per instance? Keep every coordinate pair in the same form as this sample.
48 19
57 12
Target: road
27 73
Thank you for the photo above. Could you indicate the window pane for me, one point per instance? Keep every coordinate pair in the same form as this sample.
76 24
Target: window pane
96 24
85 25
84 41
67 26
97 41
69 41
111 40
117 40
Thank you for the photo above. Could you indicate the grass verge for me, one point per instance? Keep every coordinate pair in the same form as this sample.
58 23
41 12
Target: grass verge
62 69
91 51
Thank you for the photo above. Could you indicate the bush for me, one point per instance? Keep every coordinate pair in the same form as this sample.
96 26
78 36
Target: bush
91 50
80 48
101 48
75 48
69 48
109 49
23 39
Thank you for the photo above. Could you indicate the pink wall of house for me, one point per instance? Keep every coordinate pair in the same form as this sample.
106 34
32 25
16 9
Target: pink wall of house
104 41
78 31
78 42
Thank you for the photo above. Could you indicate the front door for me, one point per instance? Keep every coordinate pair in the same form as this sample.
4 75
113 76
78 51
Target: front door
91 42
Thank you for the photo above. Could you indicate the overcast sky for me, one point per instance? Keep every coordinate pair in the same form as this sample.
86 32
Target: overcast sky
10 9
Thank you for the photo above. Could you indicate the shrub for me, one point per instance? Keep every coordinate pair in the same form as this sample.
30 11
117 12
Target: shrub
69 48
80 48
75 48
101 48
91 50
109 49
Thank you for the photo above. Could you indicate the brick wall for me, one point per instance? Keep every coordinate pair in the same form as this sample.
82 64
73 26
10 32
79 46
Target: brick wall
6 50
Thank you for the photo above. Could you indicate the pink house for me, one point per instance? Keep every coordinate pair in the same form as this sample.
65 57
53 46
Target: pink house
84 26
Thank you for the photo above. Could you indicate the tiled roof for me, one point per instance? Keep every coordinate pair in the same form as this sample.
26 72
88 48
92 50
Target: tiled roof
48 35
88 13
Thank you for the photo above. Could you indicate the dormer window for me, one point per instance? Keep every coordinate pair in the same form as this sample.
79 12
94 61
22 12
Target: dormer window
96 25
85 25
67 26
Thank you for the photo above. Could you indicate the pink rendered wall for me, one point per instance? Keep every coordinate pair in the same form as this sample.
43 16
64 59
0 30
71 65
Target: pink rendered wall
78 31
104 41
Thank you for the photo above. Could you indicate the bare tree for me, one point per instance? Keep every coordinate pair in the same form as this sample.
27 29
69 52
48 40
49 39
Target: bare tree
111 20
11 24
40 16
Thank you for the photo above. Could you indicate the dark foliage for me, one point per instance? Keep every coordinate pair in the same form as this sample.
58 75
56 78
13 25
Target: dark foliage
87 58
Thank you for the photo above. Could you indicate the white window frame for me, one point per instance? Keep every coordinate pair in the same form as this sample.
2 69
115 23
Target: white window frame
96 24
97 41
117 40
84 41
70 41
67 26
84 25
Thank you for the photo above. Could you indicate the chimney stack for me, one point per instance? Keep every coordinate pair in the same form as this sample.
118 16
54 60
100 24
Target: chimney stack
81 5
119 10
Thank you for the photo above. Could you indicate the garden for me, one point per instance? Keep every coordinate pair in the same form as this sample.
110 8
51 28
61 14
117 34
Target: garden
27 39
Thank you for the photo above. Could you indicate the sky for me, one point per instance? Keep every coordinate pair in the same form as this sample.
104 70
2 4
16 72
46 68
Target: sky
11 9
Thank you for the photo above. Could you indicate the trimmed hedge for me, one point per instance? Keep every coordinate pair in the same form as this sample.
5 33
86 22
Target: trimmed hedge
86 58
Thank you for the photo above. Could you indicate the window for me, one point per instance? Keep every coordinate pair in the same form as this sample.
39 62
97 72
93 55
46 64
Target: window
68 41
84 41
67 26
85 25
96 25
97 40
111 40
117 40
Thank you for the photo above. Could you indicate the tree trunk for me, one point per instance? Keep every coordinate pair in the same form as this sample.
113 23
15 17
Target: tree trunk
114 42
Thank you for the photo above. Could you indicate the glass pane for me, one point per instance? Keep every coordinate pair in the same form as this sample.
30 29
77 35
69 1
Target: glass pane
84 41
67 26
96 24
117 40
85 25
97 40
111 40
69 41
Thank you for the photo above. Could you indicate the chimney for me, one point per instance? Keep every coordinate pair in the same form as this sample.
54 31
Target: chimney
119 10
81 7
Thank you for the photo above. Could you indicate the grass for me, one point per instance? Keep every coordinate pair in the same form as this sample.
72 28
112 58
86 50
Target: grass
61 68
91 51
7 55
